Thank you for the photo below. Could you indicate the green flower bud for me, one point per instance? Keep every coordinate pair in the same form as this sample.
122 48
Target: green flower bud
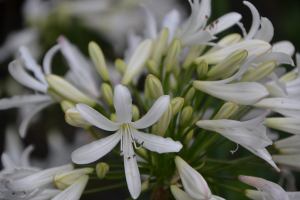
154 86
164 121
74 118
202 69
147 92
98 60
160 44
153 67
229 62
260 72
154 128
67 90
65 105
193 54
186 114
145 185
135 113
113 117
54 95
177 104
108 93
143 152
226 41
189 136
189 95
101 170
65 179
120 66
173 82
289 77
228 109
172 55
230 72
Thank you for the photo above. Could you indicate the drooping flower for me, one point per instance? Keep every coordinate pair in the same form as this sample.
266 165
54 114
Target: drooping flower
126 132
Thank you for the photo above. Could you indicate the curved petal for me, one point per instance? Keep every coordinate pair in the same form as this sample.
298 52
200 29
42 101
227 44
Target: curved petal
171 21
266 32
151 29
24 161
226 21
95 118
18 101
95 150
157 143
278 57
25 122
155 112
123 104
255 20
197 38
7 163
20 75
284 47
48 59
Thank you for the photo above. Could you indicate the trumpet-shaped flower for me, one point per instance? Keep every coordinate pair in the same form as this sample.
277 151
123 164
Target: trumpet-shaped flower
126 132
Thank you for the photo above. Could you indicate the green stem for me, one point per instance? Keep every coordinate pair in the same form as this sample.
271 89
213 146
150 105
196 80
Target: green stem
137 94
167 83
227 187
104 188
93 133
101 110
187 132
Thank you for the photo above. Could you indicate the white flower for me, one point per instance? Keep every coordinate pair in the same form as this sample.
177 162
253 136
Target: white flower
127 133
284 47
289 160
256 195
270 189
290 142
286 124
250 134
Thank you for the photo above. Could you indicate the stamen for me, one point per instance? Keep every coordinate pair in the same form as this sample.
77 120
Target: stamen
217 22
237 147
13 193
206 16
134 140
142 143
121 153
204 28
128 158
133 155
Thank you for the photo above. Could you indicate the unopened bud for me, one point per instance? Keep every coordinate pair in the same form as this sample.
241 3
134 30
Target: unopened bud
177 104
74 118
189 95
108 93
154 128
164 121
193 54
98 60
65 179
145 185
66 104
114 118
160 45
230 72
189 136
120 66
228 109
179 194
229 62
260 72
102 169
135 113
154 86
143 152
67 90
186 114
153 67
289 77
147 92
202 69
226 41
173 82
172 55
54 95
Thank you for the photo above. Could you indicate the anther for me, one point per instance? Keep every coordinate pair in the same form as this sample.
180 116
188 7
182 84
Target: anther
206 16
128 158
213 25
13 193
121 153
142 143
217 22
204 28
133 155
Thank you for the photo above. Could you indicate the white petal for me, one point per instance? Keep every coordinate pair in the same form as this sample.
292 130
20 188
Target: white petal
155 112
179 194
255 20
25 122
95 150
74 191
197 38
288 160
157 143
123 104
284 47
7 163
19 101
95 118
13 144
47 194
171 21
278 57
286 124
275 87
31 64
151 29
24 161
290 142
48 59
293 195
133 40
226 21
20 75
266 32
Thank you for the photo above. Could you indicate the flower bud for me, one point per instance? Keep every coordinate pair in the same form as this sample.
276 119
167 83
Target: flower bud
189 95
228 109
164 121
226 41
147 92
289 76
186 114
120 66
286 124
229 62
67 90
142 151
154 128
202 69
189 135
135 113
54 95
177 104
65 105
288 160
74 118
179 194
173 82
108 93
145 185
98 60
102 169
160 45
193 54
154 86
172 55
290 142
230 72
65 179
260 72
153 67
114 118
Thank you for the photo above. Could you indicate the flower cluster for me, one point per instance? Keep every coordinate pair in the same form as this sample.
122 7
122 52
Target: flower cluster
199 93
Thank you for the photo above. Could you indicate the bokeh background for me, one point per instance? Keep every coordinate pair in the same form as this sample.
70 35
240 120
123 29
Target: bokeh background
107 26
